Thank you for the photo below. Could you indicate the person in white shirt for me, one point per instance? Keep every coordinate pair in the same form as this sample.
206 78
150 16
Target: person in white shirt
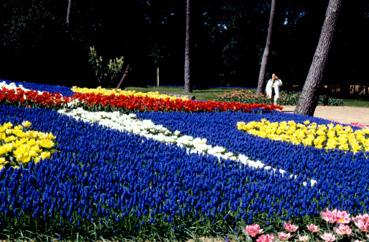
273 83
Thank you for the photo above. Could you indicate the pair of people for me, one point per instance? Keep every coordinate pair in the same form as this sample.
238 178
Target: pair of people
273 83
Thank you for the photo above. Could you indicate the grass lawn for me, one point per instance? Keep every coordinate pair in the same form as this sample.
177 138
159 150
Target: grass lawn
356 102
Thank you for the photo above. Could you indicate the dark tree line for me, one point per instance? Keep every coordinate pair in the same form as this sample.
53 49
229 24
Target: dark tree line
44 40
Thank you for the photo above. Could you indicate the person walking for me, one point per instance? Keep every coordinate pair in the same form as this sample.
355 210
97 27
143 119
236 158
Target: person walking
273 83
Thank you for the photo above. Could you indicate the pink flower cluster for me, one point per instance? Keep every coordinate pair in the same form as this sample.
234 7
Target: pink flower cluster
313 228
290 227
342 217
254 230
336 216
342 220
343 229
362 222
266 238
328 237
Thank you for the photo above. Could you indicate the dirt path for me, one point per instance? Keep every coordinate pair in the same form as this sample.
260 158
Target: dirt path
342 114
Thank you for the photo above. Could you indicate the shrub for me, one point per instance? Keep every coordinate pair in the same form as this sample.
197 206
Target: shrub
105 72
287 98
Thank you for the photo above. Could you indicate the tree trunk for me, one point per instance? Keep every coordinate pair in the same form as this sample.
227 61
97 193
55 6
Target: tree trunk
309 97
68 11
267 49
157 76
125 73
187 64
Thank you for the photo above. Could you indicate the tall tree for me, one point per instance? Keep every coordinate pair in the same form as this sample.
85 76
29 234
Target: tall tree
309 96
187 62
264 62
68 11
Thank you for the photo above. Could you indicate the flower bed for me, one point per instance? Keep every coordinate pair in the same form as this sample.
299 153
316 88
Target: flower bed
13 94
129 103
154 175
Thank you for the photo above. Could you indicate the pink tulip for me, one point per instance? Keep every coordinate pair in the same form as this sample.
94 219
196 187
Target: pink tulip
343 230
303 238
328 237
289 227
313 228
266 238
336 216
253 230
328 216
362 222
284 236
342 217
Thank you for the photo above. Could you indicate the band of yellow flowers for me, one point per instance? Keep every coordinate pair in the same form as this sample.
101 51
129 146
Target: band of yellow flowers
117 92
320 136
18 145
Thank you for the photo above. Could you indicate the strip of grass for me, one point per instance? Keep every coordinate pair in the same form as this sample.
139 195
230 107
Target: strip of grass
356 102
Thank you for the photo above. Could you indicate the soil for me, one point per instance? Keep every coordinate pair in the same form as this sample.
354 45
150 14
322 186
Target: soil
341 114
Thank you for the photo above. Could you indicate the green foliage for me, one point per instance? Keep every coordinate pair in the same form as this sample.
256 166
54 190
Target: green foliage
292 98
105 72
356 102
287 98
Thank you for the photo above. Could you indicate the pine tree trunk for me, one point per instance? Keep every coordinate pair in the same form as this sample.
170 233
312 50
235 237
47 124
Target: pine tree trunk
157 76
187 64
68 11
309 97
267 49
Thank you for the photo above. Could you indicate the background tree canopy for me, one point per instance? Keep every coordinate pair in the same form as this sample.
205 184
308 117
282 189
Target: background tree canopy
228 40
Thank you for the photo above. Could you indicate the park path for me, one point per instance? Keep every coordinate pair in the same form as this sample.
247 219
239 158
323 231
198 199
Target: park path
341 114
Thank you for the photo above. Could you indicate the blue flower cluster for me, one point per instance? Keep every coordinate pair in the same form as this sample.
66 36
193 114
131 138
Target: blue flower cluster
89 180
65 91
342 177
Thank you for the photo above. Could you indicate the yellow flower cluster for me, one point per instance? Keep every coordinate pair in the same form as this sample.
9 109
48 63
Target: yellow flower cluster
118 92
18 146
310 134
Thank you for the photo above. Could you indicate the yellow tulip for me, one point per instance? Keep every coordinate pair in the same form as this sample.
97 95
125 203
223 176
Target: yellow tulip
22 145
